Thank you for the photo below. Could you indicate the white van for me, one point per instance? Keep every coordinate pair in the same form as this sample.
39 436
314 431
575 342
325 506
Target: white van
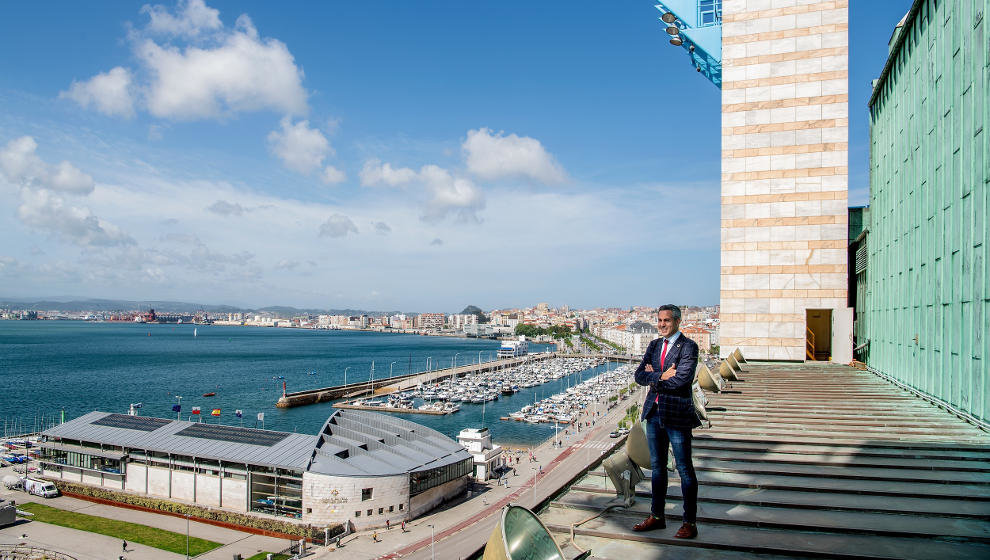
40 488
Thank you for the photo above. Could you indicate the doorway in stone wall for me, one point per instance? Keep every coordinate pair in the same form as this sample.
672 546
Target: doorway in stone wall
818 334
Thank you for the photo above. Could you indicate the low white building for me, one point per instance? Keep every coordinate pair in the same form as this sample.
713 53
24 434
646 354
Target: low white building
363 467
488 458
513 348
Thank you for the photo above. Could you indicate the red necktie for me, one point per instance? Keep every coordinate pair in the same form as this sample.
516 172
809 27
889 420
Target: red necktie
663 356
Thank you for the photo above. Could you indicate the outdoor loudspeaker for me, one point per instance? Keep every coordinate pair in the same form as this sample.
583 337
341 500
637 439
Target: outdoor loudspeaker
737 354
700 401
624 467
520 534
731 360
708 380
726 372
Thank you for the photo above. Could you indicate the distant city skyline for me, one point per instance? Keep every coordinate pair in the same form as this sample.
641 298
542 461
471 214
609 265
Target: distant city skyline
342 157
79 304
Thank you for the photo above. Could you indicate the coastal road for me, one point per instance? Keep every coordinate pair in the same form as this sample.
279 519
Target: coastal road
463 529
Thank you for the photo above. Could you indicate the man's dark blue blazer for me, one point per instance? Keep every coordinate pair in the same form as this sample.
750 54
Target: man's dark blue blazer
675 407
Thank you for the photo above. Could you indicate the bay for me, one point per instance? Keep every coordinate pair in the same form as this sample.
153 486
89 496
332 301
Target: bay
47 367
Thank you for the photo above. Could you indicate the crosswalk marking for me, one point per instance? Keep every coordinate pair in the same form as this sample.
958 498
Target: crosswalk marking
594 444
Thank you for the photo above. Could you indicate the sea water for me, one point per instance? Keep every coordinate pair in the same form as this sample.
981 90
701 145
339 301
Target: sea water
48 368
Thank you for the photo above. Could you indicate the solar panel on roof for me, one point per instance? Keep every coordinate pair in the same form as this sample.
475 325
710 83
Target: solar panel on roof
233 434
140 423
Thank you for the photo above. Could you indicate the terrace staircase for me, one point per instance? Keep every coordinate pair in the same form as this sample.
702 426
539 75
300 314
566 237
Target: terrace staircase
808 460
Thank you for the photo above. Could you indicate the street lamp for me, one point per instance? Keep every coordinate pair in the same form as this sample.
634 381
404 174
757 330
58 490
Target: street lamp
433 552
178 413
390 370
345 374
536 475
479 356
453 361
187 536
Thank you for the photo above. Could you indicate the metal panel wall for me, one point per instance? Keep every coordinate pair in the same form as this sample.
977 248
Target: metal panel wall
926 306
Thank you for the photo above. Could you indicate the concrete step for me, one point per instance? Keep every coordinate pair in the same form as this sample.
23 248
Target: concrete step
831 417
796 430
611 548
907 504
799 519
847 472
907 487
762 446
980 449
836 459
767 540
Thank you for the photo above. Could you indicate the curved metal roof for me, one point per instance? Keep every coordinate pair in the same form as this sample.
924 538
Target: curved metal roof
362 443
351 443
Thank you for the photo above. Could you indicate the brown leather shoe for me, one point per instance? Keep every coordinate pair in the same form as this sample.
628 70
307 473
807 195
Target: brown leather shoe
687 531
649 524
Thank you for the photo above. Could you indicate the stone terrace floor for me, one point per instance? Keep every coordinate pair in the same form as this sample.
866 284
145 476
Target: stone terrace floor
808 460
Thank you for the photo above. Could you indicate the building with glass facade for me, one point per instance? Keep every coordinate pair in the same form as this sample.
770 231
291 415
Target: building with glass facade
922 286
362 468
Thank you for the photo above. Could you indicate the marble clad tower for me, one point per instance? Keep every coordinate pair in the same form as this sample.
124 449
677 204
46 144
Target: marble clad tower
785 116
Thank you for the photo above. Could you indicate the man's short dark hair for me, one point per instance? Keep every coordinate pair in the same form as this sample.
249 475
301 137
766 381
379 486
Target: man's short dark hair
676 311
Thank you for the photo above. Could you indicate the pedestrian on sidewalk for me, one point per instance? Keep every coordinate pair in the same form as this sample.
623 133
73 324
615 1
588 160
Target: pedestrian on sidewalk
123 546
403 526
374 536
388 525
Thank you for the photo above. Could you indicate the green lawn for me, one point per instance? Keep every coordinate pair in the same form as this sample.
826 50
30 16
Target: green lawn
263 555
130 532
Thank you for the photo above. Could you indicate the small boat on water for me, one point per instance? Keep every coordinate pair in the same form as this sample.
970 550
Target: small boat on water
211 394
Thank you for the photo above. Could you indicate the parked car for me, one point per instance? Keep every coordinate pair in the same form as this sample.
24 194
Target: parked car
614 435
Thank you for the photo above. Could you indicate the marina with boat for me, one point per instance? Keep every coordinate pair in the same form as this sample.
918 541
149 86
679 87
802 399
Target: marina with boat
447 395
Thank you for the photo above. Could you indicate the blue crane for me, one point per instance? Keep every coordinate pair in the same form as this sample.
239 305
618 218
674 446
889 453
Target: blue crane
696 27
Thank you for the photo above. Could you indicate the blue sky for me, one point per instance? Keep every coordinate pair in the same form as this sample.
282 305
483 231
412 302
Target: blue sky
417 156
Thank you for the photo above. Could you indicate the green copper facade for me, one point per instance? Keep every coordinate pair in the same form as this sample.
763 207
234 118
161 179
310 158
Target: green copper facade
924 300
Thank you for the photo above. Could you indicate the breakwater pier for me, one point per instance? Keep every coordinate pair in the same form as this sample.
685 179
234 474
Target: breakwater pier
388 385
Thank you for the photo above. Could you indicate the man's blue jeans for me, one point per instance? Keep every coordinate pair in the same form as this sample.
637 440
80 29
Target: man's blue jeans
680 441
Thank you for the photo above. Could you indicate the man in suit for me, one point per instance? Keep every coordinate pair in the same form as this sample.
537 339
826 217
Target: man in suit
668 369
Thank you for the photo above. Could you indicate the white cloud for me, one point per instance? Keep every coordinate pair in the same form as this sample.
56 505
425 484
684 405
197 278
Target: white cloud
375 173
235 70
9 266
192 18
450 195
437 242
110 93
20 164
337 225
244 73
493 156
225 208
382 228
300 147
45 211
332 176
